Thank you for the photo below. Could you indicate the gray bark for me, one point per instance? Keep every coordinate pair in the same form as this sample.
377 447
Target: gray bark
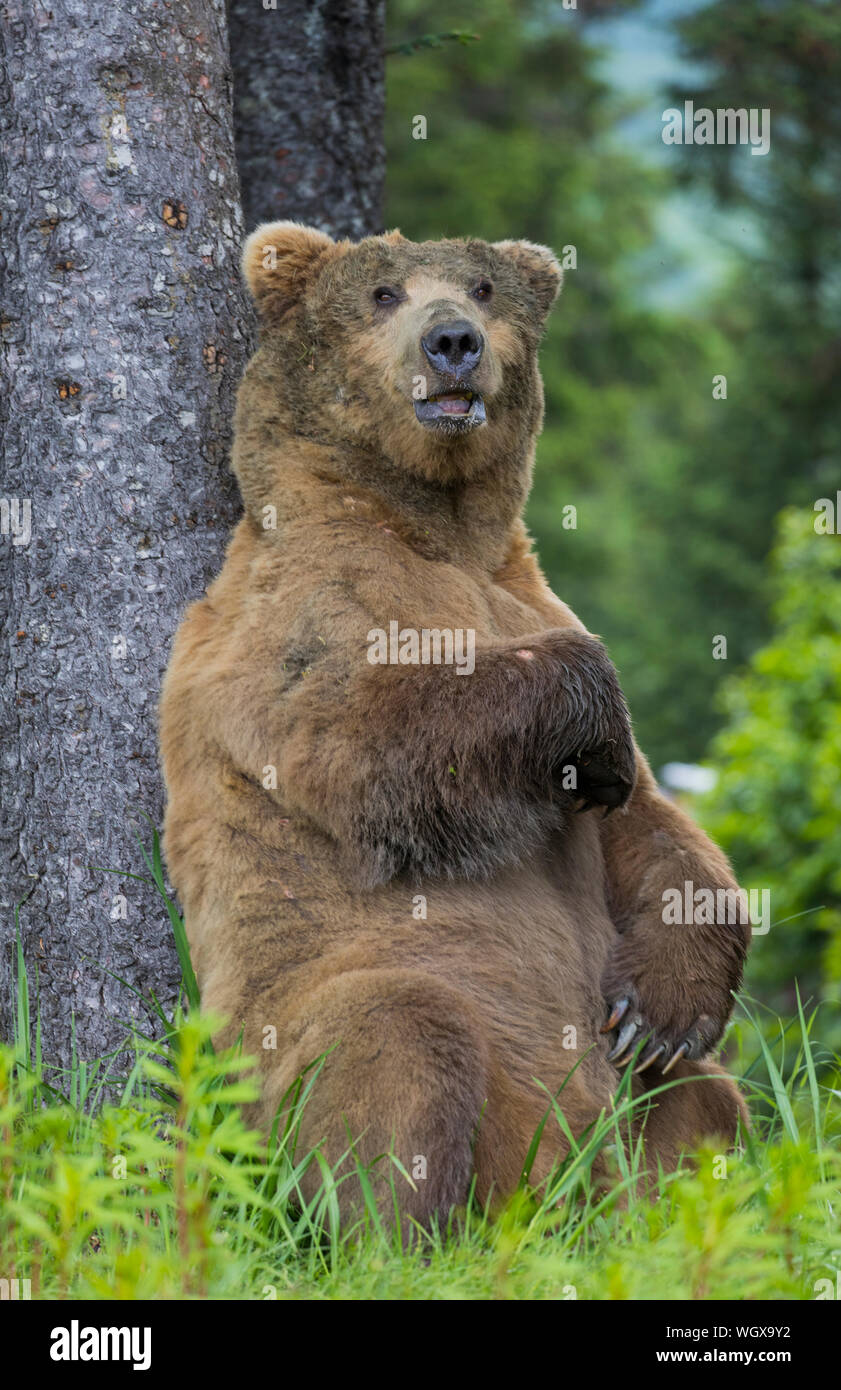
308 111
124 329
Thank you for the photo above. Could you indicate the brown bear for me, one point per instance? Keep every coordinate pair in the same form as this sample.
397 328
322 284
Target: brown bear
378 846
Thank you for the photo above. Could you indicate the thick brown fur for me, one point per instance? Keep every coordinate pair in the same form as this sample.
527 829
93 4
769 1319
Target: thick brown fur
313 796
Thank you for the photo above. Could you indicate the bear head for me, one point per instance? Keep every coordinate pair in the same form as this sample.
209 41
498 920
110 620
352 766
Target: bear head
422 355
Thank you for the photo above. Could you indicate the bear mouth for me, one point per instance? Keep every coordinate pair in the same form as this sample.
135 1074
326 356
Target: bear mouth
452 411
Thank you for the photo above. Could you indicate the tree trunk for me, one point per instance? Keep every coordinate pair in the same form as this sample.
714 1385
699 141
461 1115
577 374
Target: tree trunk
124 329
308 111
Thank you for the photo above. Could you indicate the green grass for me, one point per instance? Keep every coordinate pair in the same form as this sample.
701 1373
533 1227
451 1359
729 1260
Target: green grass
149 1184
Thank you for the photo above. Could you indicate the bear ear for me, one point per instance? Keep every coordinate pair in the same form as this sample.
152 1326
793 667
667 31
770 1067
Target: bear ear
540 268
280 260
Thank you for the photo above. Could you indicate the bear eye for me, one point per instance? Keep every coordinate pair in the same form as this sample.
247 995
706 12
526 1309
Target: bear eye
385 295
483 290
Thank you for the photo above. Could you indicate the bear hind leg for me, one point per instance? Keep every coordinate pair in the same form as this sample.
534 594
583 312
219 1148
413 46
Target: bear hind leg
407 1075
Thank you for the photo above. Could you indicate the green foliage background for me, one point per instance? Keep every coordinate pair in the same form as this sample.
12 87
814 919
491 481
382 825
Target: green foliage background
677 493
778 804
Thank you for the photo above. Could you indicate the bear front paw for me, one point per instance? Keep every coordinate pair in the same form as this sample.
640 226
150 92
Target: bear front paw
641 1036
603 751
605 777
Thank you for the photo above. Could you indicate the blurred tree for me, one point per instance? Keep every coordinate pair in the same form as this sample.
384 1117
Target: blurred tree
784 55
777 806
308 111
777 437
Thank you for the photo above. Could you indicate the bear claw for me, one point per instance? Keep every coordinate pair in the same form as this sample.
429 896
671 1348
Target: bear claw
679 1052
626 1039
650 1058
617 1013
660 1052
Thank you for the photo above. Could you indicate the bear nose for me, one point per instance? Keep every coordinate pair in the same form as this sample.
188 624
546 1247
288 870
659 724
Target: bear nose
453 348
